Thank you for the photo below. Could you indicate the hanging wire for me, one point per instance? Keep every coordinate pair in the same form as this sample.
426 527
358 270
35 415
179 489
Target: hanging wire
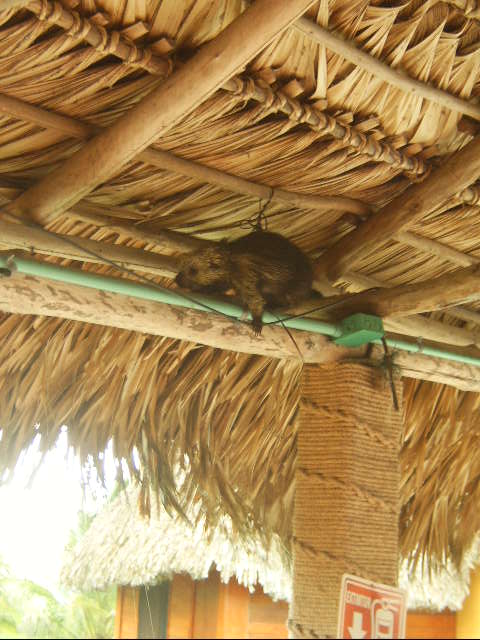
258 222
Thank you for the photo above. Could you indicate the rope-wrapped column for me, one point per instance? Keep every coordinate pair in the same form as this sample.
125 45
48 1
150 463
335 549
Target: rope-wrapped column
347 490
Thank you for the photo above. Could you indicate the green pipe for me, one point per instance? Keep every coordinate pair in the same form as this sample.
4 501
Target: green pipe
145 292
429 351
134 289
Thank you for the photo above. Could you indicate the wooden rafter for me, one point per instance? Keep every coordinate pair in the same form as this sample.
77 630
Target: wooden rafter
18 236
460 286
166 105
171 162
459 171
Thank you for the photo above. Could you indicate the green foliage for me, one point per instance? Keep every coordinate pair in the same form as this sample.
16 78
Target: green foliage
28 610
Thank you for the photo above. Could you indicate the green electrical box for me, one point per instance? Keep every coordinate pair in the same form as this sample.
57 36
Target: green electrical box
360 329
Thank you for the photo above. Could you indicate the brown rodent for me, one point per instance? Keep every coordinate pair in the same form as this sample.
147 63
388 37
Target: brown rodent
266 270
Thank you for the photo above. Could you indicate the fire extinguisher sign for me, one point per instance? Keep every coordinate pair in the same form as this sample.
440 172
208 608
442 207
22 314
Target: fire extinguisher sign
371 610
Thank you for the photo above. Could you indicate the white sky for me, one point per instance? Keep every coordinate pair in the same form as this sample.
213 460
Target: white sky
37 519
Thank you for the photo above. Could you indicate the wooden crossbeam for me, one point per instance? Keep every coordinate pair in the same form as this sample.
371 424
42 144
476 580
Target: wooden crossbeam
459 171
460 286
18 236
31 295
154 115
169 161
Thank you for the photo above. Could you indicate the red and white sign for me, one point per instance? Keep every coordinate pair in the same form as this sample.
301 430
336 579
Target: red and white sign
371 610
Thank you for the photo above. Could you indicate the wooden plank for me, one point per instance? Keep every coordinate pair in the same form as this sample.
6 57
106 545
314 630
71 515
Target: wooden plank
431 625
206 608
267 619
180 607
233 610
118 613
459 171
154 115
128 612
171 162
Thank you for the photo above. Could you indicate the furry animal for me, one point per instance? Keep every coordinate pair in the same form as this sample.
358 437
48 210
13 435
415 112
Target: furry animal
266 271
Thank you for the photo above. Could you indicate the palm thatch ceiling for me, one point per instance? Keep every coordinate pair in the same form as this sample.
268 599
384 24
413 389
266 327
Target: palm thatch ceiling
358 112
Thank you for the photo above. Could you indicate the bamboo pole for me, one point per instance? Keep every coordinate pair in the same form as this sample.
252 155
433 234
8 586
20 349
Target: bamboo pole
166 105
171 162
395 77
459 171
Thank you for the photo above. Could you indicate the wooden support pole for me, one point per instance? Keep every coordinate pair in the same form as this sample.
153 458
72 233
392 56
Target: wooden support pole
179 95
347 490
459 171
170 162
395 77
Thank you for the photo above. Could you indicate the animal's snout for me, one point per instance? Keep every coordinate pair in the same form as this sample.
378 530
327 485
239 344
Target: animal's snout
180 280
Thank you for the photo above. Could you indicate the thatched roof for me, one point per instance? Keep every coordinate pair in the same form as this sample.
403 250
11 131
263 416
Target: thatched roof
330 141
123 548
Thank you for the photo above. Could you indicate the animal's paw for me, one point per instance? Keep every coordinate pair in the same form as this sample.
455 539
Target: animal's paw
257 326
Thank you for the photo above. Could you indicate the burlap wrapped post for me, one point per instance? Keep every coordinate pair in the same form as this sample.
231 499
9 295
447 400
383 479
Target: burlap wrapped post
347 490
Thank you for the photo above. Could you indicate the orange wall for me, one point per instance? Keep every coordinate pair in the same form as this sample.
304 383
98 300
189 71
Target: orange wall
126 614
211 609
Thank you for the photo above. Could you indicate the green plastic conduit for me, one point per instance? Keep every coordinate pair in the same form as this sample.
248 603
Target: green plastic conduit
136 290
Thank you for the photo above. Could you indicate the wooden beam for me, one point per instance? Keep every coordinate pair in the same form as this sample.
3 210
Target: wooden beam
414 365
436 248
154 115
169 161
395 77
459 171
17 236
36 296
462 285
